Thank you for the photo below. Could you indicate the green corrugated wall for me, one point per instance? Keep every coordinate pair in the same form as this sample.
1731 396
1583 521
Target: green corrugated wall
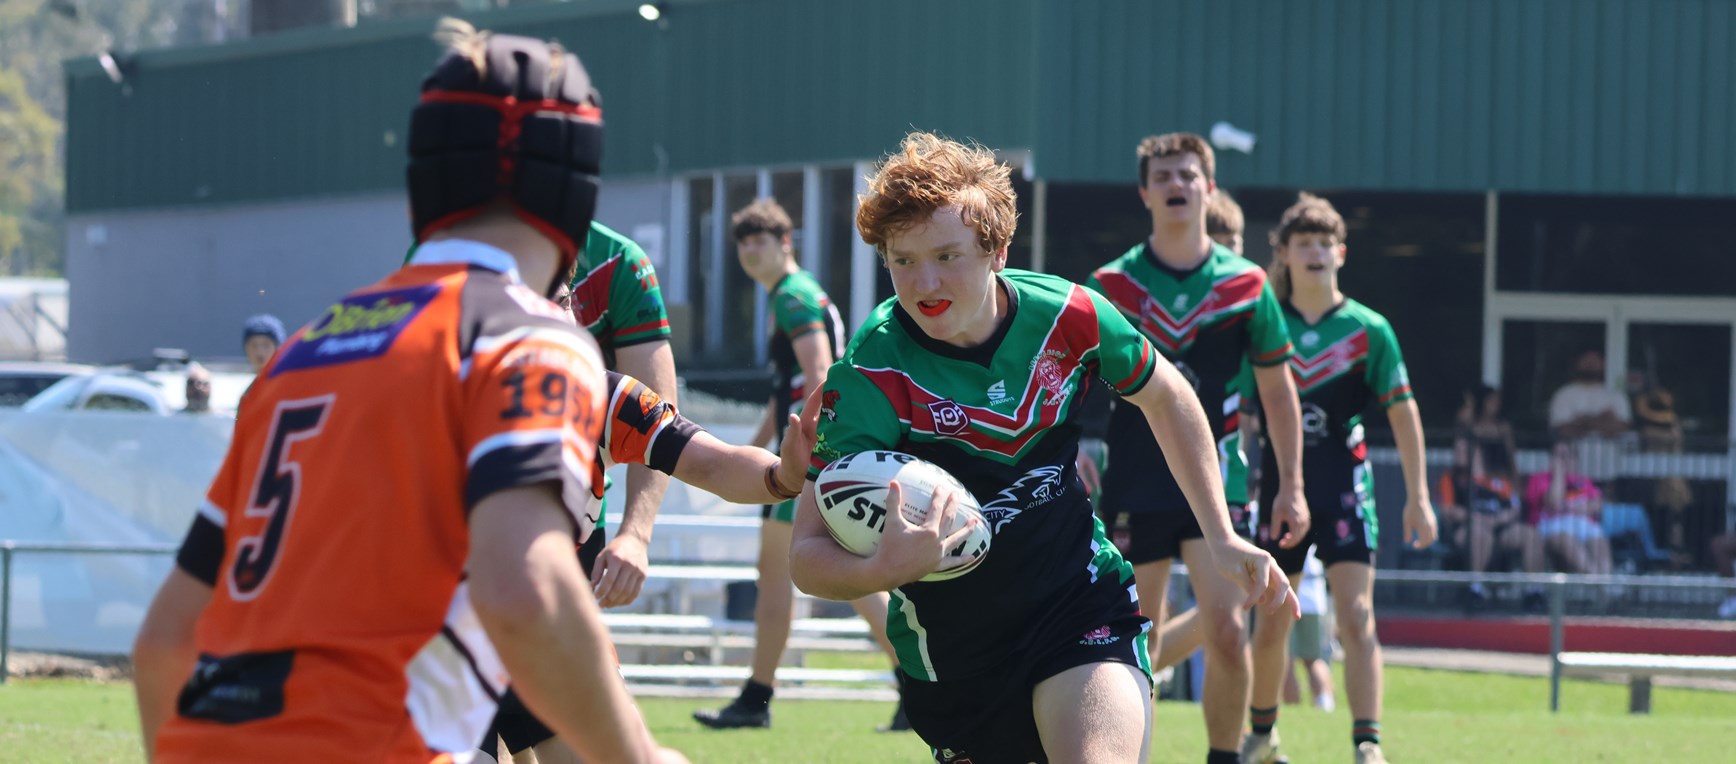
1580 96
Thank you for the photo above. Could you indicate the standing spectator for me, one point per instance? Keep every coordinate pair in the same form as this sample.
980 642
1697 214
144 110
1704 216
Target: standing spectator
1311 640
1589 414
198 390
260 337
1568 508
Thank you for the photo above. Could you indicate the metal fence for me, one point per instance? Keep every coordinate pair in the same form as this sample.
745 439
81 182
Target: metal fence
10 549
1563 595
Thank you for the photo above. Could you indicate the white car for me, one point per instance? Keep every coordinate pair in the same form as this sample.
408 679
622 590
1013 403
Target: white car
103 391
22 380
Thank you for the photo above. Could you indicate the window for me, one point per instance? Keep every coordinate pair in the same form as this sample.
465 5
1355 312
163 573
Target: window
1616 245
113 402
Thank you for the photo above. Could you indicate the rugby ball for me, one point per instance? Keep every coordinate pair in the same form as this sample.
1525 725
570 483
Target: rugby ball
852 496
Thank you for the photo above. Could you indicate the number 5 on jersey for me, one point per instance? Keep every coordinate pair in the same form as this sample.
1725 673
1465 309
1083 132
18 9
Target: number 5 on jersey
275 492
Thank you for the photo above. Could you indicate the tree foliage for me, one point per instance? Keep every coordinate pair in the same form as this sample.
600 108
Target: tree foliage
36 36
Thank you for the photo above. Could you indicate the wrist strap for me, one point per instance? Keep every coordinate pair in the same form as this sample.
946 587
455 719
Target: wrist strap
775 488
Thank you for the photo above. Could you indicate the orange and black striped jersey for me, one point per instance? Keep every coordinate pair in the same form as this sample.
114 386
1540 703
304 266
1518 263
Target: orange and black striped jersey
335 535
639 427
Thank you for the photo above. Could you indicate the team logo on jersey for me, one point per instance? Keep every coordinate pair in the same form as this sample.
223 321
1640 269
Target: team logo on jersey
1180 303
1046 368
1033 489
949 417
829 405
361 326
1310 338
998 393
1101 635
1313 422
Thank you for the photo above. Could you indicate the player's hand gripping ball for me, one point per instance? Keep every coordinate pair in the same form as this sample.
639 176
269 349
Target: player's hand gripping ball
852 497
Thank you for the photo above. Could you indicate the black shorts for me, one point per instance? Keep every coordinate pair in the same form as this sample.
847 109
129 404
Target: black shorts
512 721
989 719
1146 537
1343 527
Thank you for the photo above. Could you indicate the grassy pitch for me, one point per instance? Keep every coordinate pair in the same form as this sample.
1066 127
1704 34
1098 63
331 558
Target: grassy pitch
1431 716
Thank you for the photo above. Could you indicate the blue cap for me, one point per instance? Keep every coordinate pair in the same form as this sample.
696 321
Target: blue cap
263 325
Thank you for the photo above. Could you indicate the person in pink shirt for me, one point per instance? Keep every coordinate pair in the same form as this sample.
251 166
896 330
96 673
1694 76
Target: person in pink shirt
1566 506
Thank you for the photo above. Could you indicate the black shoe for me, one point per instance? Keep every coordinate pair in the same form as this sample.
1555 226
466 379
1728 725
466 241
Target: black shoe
734 716
899 723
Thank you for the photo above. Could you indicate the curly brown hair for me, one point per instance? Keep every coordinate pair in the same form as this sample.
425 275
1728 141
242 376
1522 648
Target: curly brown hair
930 173
764 215
1310 214
1173 144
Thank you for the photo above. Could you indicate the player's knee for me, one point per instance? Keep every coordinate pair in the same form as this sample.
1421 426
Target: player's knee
1226 630
1356 622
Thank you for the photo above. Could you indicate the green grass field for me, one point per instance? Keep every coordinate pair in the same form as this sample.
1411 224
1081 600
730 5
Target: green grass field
1431 716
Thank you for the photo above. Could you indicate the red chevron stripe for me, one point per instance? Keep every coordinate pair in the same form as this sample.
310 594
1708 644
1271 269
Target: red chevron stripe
1330 362
1176 334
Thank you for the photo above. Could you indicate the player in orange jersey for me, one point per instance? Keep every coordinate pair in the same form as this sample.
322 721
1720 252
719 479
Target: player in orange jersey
389 539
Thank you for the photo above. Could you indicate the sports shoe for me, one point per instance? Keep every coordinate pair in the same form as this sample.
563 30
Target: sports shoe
1260 749
1324 702
1369 753
734 715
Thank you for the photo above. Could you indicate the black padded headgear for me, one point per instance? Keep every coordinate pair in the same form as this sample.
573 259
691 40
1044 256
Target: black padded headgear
528 130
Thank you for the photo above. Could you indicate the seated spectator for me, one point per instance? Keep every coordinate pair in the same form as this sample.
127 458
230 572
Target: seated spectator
1486 519
1660 432
198 390
260 336
1592 416
1567 508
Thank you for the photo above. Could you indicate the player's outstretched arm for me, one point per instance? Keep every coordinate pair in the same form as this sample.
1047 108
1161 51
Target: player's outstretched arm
533 601
1176 418
750 474
164 651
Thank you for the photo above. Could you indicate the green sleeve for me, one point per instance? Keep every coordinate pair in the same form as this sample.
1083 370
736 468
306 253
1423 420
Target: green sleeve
1387 377
1125 357
798 312
1233 454
1268 335
636 312
855 416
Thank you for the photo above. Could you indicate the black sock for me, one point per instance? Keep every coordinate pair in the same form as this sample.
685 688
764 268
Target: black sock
1262 719
1215 756
755 695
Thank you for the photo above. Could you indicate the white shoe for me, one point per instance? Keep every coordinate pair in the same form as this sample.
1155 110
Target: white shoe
1260 749
1324 702
1369 753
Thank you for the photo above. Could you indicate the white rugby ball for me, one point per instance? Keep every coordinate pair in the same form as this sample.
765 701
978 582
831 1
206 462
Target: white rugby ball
852 496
